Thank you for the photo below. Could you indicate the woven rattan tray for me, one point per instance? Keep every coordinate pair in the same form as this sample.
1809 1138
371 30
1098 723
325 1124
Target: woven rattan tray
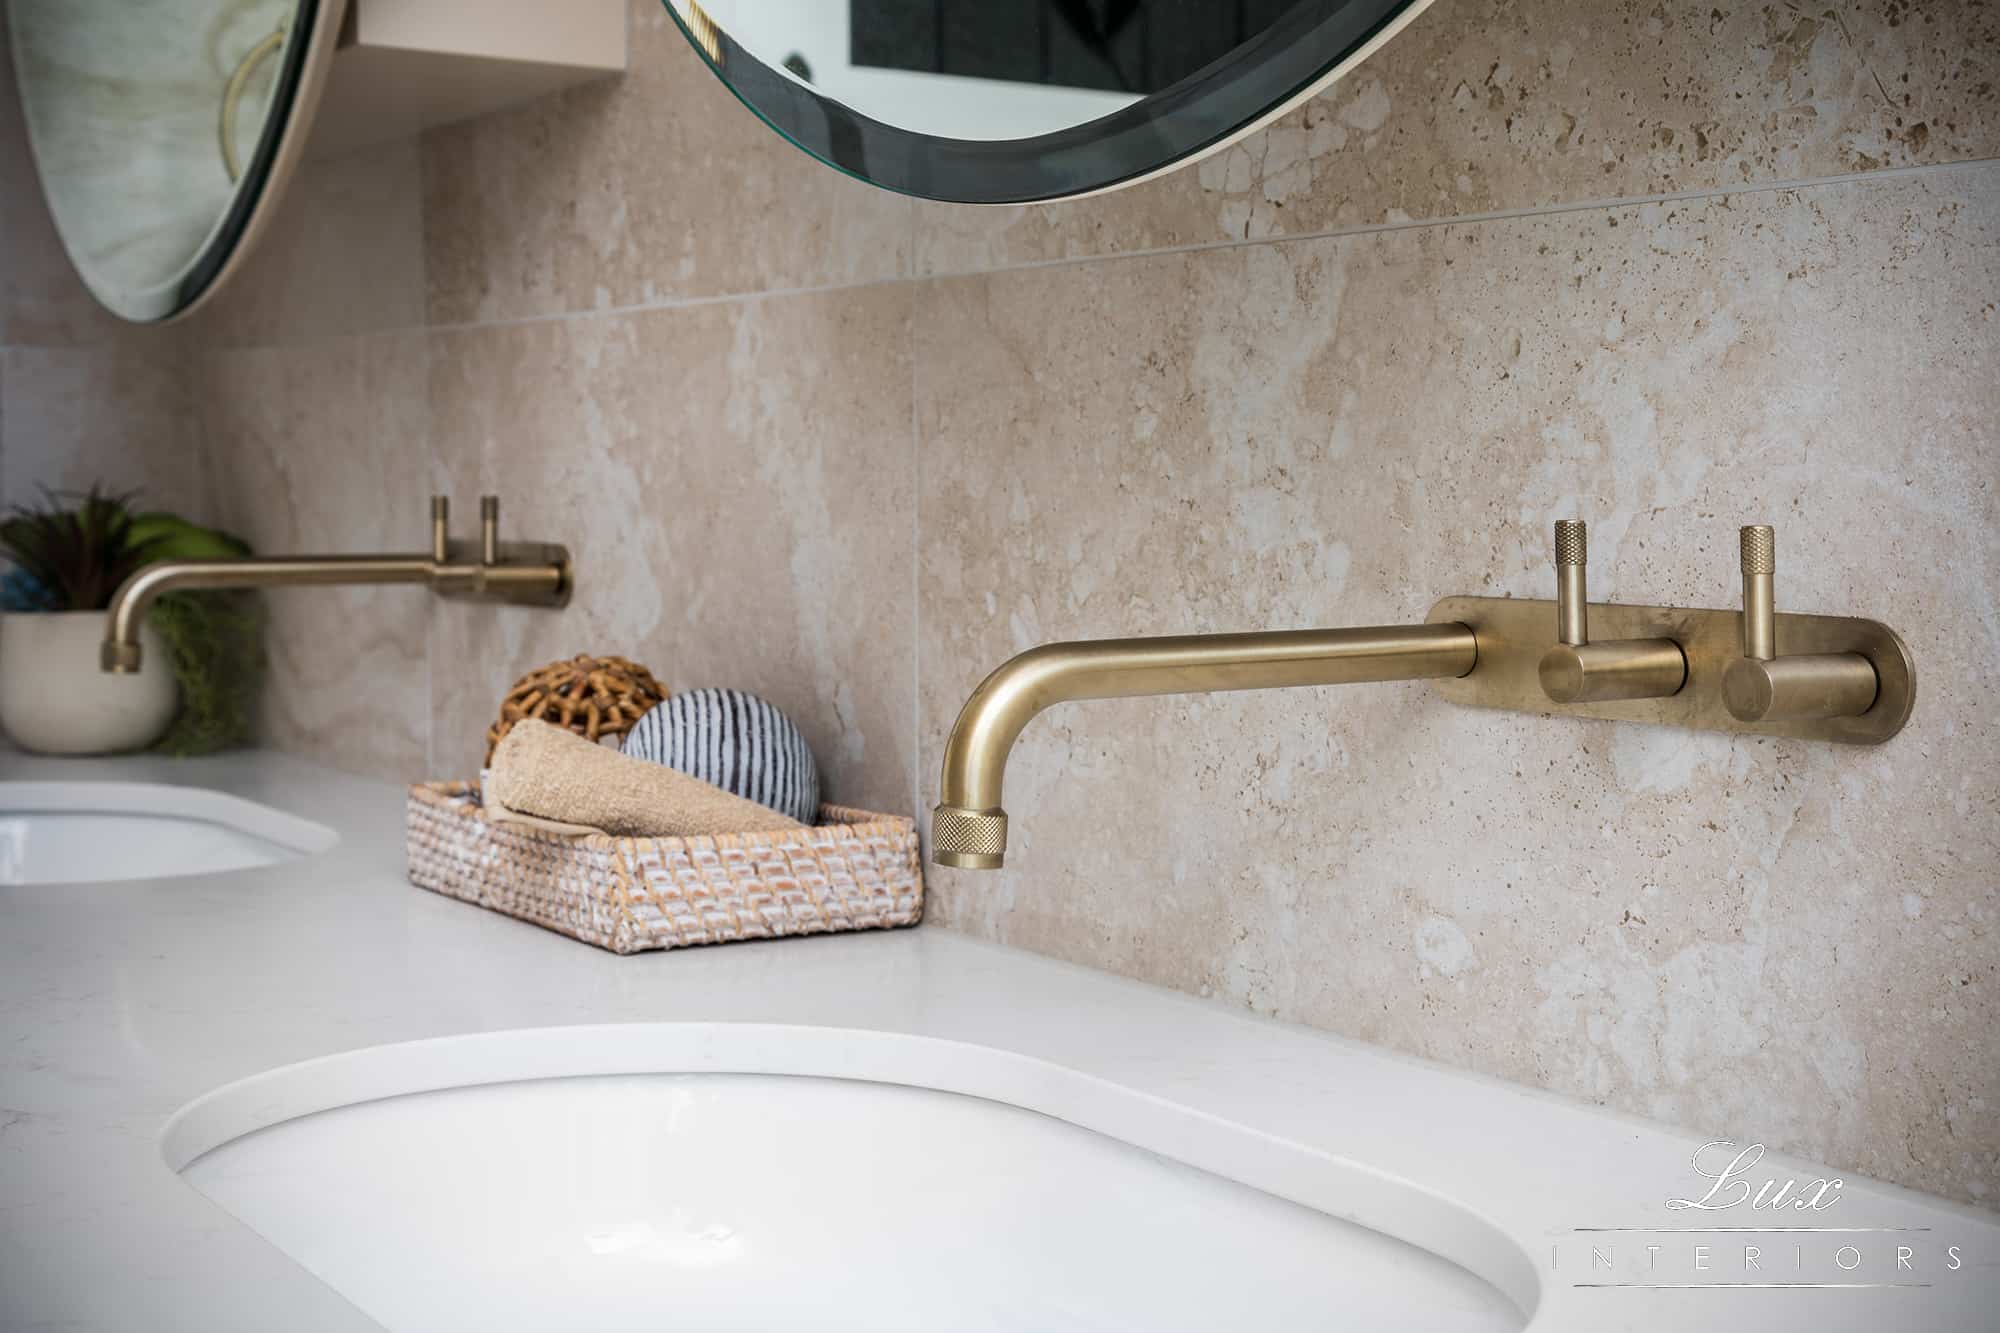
852 871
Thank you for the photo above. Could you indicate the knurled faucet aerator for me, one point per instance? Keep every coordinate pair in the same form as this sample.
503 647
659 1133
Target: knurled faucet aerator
969 827
521 573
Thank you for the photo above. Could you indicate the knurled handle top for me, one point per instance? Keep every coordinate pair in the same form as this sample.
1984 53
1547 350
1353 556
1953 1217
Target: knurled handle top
1760 616
1760 549
1572 546
1572 619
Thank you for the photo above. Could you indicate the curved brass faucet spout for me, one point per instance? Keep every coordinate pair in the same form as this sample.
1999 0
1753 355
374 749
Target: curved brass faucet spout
120 651
969 826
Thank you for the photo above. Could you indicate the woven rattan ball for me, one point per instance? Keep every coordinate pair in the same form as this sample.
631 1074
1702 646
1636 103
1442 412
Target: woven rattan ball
594 697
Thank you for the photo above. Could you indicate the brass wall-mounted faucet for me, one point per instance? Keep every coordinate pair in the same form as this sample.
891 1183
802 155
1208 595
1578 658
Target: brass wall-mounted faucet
520 573
1761 685
1576 670
1670 666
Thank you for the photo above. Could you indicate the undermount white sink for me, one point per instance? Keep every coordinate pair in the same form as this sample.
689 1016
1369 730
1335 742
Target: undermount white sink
779 1200
76 832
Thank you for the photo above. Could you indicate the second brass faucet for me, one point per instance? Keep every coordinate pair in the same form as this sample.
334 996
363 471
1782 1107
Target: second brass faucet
1853 683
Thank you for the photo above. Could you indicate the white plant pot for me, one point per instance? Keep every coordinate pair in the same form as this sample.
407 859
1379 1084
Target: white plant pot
55 700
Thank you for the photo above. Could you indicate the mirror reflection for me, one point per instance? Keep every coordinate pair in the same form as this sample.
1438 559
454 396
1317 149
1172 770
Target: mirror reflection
956 68
156 126
1005 101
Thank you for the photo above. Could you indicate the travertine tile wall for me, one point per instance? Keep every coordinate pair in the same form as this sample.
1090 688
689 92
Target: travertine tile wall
1669 267
734 482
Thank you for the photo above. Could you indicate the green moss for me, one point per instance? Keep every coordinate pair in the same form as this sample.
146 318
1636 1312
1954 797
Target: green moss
216 643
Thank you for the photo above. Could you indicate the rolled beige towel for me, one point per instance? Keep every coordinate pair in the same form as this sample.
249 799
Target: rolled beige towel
558 778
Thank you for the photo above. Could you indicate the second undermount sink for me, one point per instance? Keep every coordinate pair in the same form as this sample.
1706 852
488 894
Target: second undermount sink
433 1195
84 832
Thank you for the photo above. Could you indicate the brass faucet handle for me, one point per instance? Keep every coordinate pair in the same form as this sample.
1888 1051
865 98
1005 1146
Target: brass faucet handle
1762 686
1760 614
1578 671
440 528
489 529
1572 600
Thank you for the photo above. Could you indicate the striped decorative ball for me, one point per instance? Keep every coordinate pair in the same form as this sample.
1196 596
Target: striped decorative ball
736 741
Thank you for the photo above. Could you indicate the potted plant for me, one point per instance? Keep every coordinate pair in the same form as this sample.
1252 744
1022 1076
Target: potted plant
67 563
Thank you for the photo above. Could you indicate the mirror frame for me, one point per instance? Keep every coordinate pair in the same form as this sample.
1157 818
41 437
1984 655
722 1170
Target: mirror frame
234 234
1315 43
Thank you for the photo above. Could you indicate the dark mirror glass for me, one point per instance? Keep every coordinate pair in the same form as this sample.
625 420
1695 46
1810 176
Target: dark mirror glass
1015 101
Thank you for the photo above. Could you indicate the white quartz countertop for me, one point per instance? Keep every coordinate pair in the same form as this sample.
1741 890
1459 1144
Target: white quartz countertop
122 1003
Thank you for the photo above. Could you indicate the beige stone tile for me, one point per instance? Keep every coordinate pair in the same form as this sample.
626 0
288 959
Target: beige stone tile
344 255
1528 103
1771 940
734 482
121 415
324 448
656 186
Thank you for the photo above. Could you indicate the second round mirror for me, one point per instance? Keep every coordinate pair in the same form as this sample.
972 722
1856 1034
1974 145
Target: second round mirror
1019 101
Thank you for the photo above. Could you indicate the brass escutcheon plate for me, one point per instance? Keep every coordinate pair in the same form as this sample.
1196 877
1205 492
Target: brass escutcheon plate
518 580
1513 633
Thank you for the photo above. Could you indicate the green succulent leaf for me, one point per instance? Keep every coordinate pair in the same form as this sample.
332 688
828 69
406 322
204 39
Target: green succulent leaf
78 546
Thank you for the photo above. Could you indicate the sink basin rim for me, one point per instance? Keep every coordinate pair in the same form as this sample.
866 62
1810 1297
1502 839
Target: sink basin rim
161 800
1336 1186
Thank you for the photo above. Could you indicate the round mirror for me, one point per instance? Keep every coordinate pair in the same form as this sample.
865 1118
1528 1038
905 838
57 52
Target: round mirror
160 128
1018 101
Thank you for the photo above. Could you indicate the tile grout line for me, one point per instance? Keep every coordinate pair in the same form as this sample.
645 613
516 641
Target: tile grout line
916 554
432 480
1496 215
1202 247
1198 247
916 591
